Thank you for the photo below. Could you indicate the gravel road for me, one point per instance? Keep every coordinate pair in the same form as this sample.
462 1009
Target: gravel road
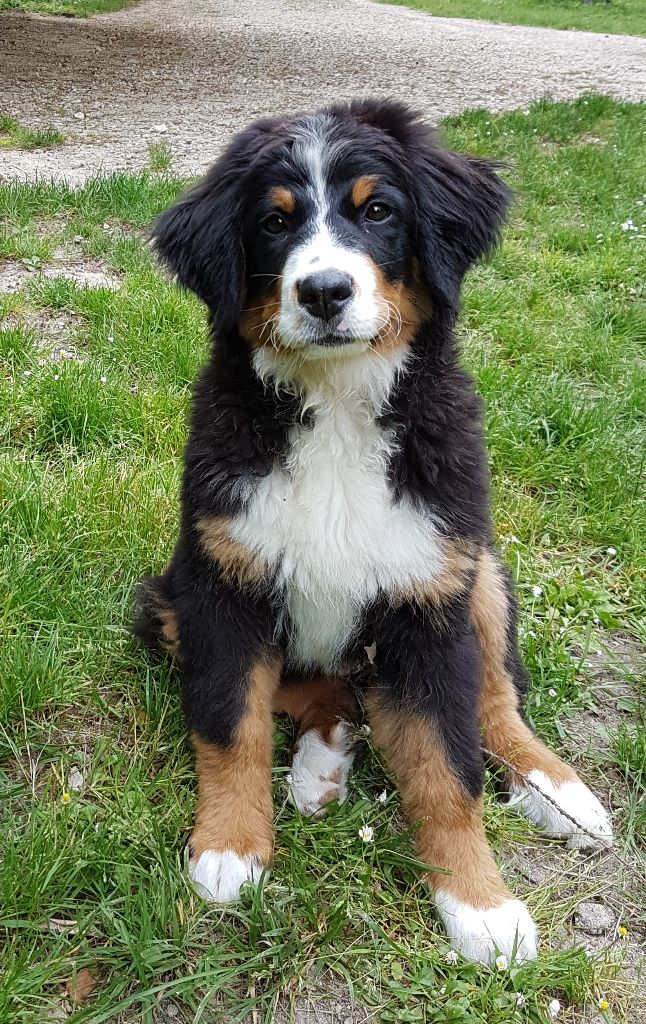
191 73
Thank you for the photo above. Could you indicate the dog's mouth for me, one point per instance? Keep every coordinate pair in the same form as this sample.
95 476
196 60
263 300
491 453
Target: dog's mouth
338 332
333 340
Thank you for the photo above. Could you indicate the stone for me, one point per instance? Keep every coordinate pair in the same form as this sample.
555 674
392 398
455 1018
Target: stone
594 919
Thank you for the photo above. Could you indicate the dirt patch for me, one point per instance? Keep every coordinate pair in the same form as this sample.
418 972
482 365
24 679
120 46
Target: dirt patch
15 275
54 331
327 1002
619 656
190 74
608 673
595 894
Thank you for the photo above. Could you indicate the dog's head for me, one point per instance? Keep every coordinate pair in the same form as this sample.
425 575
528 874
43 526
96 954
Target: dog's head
336 230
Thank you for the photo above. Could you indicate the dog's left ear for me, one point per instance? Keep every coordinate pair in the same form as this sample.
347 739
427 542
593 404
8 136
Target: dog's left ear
461 207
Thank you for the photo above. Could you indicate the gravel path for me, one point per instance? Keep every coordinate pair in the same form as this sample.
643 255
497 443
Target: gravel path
193 72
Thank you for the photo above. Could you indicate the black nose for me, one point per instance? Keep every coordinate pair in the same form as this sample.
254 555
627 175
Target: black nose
325 293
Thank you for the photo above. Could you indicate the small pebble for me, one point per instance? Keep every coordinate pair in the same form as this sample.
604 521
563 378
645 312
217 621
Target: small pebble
75 779
594 919
79 115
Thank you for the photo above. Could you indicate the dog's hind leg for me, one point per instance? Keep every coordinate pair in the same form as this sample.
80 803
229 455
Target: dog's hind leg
325 710
155 621
540 783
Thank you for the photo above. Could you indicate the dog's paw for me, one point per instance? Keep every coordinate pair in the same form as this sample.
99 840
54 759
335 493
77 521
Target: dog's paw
320 769
483 935
575 799
218 875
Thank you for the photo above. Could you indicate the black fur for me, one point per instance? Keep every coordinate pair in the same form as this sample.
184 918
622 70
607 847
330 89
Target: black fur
441 460
429 664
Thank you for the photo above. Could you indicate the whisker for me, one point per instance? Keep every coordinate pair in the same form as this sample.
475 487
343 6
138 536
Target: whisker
270 320
263 305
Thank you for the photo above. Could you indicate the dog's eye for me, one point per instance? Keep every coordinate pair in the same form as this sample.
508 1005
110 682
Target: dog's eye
275 224
377 211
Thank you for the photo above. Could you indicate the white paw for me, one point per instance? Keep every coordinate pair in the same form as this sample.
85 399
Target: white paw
218 874
320 769
484 934
572 797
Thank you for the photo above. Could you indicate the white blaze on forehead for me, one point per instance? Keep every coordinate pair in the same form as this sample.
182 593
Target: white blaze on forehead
365 313
312 150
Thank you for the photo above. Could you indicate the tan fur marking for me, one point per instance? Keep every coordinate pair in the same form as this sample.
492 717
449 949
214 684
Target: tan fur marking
451 835
169 638
234 804
503 730
317 703
458 571
413 307
363 188
256 322
283 198
238 565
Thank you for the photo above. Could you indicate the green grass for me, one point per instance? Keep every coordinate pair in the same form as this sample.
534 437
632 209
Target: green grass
89 470
13 135
160 157
68 8
623 16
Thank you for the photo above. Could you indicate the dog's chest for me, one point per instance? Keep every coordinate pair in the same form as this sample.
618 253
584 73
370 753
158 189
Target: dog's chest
326 523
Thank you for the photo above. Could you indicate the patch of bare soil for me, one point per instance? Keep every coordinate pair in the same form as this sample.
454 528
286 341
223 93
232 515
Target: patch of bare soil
191 73
54 331
327 1002
595 894
87 273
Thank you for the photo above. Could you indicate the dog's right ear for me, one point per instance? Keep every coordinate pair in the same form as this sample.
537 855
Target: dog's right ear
199 241
199 238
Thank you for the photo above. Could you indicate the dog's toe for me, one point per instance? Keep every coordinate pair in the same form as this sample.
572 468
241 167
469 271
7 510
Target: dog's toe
484 934
218 875
320 769
569 811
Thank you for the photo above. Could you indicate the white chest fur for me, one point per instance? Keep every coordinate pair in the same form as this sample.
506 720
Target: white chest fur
326 523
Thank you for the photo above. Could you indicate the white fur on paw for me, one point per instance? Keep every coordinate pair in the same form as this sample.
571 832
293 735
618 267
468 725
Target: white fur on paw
320 769
484 934
572 797
219 874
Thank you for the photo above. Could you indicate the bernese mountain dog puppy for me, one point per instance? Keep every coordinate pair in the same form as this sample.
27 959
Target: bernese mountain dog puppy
335 550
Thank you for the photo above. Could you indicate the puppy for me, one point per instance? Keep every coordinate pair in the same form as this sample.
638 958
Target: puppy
336 494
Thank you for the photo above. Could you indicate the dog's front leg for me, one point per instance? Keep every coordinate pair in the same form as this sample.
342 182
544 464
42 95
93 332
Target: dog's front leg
230 671
424 713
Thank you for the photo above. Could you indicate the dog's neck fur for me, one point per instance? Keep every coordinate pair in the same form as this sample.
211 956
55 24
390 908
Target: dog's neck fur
422 403
363 381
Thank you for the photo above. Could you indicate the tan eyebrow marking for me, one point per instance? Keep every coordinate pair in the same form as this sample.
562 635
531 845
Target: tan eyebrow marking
283 198
363 189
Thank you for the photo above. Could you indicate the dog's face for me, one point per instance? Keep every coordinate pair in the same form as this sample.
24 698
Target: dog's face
328 248
333 231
